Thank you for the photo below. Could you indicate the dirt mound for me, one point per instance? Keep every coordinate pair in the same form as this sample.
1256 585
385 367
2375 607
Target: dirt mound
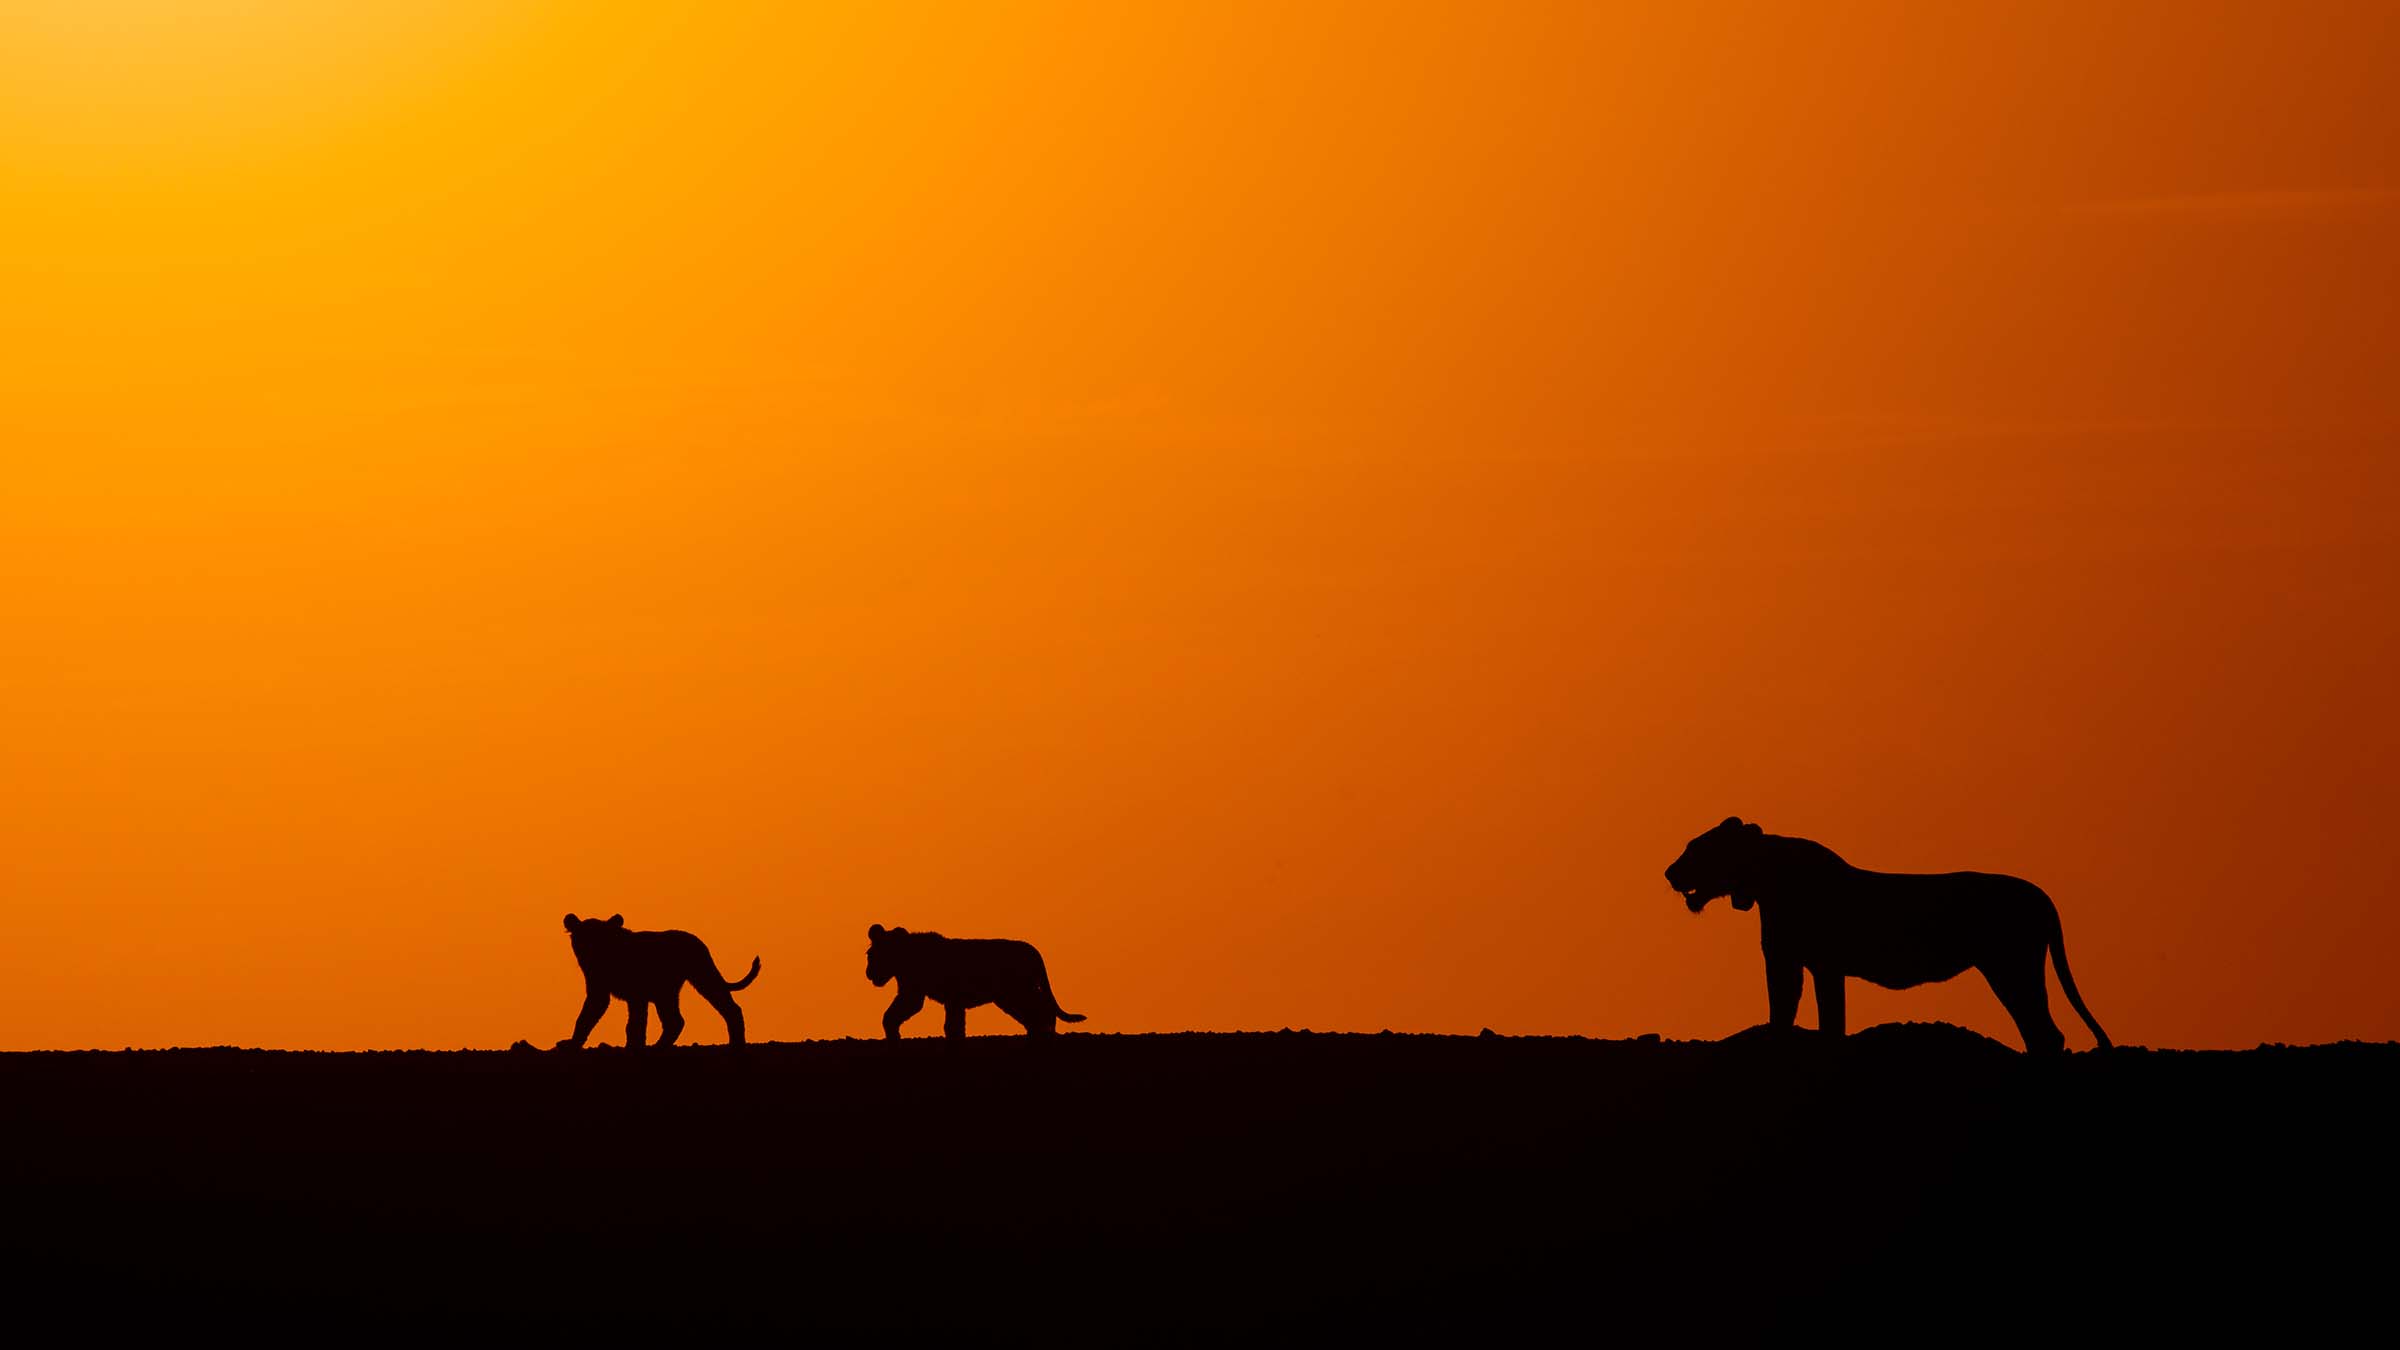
1929 1041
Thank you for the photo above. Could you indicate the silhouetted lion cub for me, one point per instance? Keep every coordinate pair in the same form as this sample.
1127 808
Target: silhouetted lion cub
647 968
962 973
1898 929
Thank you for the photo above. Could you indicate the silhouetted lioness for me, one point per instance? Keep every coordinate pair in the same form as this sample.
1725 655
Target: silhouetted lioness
1818 913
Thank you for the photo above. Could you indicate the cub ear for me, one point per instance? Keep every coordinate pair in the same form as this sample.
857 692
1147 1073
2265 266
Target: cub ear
874 931
616 921
1753 829
571 922
1730 823
899 932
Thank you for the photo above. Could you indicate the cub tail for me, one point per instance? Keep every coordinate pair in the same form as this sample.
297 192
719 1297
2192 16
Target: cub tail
1063 1014
744 982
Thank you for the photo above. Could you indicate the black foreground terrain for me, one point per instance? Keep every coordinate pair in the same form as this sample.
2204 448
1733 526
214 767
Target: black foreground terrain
1915 1181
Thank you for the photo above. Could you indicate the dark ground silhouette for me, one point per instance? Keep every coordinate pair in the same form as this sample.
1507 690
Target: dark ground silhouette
1897 929
1913 1180
959 974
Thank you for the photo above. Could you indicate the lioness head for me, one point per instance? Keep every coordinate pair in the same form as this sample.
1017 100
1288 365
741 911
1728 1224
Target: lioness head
883 953
1717 863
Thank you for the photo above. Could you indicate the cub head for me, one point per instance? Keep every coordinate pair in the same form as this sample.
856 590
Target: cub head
883 953
583 932
1719 862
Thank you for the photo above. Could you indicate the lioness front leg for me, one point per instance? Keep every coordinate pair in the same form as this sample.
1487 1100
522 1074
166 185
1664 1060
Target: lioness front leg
637 1023
906 1006
1831 1015
954 1021
1783 991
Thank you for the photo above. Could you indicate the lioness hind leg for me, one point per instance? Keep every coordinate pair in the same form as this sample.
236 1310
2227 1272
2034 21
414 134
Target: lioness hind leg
637 1023
2023 988
954 1021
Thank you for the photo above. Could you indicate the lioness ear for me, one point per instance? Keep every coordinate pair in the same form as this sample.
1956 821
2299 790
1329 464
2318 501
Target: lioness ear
1730 823
874 931
1753 829
899 932
616 921
571 922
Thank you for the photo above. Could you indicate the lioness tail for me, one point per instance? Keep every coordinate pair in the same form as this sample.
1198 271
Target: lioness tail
744 982
2066 981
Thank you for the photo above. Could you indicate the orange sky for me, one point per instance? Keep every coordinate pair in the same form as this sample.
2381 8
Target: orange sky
1301 514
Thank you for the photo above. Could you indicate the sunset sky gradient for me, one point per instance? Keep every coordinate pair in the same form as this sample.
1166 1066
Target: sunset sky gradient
1299 510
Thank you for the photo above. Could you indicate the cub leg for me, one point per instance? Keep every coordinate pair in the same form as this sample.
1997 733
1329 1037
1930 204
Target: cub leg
721 998
670 1017
637 1023
1832 1015
1042 1023
2024 989
954 1021
904 1007
595 1002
